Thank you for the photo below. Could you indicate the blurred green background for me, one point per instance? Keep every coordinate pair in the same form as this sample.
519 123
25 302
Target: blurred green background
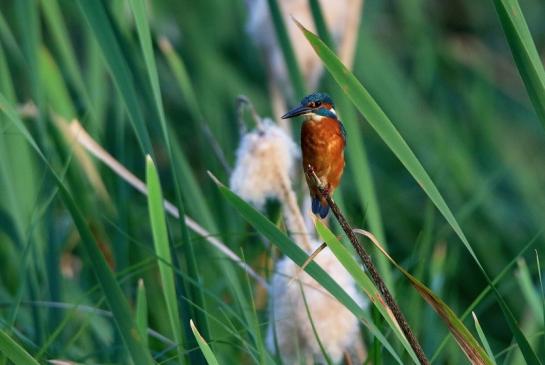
442 71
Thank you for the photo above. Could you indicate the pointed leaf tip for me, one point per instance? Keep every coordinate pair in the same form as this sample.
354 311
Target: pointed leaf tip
215 179
297 22
301 26
203 345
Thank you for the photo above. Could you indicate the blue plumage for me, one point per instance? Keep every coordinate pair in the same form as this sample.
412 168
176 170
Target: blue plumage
318 208
314 97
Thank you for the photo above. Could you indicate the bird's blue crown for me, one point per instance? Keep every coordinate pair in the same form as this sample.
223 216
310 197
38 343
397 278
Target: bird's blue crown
319 99
314 97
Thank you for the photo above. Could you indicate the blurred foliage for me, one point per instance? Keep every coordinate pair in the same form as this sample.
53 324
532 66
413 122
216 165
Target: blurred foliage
443 73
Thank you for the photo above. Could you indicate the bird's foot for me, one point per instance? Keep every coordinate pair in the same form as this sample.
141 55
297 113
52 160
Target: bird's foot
325 190
309 170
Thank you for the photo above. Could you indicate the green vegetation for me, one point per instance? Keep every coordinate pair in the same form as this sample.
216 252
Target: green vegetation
444 107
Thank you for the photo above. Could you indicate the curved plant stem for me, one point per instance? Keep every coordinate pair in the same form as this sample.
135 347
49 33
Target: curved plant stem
375 276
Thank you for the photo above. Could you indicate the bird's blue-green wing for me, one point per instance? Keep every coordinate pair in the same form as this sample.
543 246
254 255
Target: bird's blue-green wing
343 131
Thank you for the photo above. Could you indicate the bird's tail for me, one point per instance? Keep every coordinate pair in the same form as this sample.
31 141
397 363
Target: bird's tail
320 206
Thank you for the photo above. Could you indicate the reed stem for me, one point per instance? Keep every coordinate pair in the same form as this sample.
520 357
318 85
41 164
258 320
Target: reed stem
375 276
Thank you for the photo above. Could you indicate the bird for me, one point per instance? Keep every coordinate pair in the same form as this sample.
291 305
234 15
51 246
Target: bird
323 140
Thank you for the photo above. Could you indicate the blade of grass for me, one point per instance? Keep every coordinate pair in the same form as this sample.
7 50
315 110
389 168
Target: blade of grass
365 103
483 338
542 291
524 280
162 249
29 23
14 351
97 82
311 320
13 200
98 20
524 52
206 350
253 321
56 94
320 24
181 75
287 50
140 12
56 24
142 312
193 192
114 295
9 40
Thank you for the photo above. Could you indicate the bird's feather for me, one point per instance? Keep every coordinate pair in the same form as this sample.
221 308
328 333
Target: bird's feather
322 143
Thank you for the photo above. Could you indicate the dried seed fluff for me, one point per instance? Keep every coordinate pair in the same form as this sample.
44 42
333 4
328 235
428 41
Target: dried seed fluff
342 19
336 326
265 160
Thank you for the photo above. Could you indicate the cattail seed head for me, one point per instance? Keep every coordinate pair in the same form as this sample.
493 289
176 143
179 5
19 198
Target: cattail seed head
336 326
265 161
342 19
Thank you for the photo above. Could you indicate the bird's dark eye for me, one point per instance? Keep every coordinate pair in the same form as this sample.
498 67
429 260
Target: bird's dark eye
318 103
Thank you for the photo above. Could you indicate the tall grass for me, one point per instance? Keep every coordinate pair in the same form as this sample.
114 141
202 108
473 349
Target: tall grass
448 148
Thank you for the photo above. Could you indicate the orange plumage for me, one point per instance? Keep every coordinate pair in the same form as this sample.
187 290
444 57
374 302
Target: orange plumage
323 140
322 143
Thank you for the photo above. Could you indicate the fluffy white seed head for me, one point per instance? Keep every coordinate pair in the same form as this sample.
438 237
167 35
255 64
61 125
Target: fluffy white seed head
336 326
265 162
342 19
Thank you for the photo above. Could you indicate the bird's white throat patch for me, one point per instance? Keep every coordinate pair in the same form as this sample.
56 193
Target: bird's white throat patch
317 117
313 117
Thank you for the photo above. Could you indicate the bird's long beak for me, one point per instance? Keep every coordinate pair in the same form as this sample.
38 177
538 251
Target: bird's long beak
299 110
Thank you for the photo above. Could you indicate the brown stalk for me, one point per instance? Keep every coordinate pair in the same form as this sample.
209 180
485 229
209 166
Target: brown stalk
368 263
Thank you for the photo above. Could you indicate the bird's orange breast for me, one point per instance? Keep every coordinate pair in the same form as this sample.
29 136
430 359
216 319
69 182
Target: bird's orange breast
322 143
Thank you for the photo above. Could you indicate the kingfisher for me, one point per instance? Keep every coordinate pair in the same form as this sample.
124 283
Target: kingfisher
323 139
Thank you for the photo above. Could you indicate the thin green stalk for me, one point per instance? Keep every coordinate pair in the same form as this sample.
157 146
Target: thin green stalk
524 52
294 72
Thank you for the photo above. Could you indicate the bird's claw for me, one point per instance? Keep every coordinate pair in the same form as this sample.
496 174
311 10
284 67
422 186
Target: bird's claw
323 188
310 170
325 191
